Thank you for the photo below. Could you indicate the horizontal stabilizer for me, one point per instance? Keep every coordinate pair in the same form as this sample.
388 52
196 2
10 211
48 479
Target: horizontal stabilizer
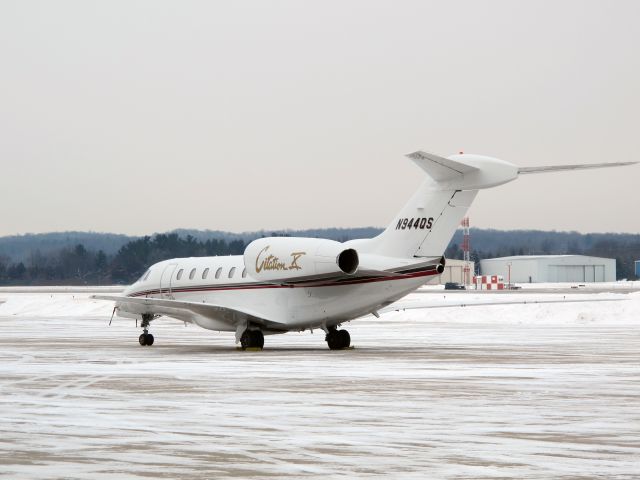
562 168
439 168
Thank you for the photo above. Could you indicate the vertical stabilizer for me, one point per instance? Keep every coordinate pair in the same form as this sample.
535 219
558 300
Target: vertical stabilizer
424 227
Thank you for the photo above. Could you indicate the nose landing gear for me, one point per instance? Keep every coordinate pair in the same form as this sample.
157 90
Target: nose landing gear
146 339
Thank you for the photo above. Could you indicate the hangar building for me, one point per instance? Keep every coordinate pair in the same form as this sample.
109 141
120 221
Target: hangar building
551 268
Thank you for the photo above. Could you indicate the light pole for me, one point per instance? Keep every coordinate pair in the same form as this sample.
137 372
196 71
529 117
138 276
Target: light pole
509 275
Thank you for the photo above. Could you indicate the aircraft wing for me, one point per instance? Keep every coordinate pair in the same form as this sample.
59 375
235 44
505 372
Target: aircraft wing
186 311
399 307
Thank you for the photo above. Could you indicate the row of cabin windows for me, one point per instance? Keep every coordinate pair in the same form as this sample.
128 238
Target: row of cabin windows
205 273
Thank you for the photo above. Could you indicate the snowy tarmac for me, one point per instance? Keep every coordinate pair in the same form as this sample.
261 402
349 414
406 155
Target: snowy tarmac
532 391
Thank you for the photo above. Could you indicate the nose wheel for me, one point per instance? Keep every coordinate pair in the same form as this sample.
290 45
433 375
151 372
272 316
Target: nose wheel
338 339
146 339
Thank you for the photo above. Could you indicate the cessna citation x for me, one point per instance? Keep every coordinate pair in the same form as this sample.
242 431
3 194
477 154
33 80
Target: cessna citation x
283 284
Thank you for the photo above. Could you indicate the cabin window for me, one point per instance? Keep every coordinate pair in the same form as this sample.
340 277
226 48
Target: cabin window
192 274
244 273
205 273
218 272
179 276
232 271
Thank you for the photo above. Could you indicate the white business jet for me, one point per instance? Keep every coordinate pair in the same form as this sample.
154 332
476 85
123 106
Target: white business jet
284 284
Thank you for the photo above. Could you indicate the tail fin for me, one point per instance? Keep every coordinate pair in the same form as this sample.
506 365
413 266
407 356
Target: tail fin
424 227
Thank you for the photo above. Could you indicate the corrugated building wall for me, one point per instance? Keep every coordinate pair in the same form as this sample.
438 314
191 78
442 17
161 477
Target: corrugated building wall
551 268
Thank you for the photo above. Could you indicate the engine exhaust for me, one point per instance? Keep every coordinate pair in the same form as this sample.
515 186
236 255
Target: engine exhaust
348 261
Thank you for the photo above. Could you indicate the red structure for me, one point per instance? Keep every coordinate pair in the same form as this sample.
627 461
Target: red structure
489 282
466 251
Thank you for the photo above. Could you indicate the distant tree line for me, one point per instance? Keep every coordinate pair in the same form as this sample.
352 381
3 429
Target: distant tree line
20 248
83 264
80 266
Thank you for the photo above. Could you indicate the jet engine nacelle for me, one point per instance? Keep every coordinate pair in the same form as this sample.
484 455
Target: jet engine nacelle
286 258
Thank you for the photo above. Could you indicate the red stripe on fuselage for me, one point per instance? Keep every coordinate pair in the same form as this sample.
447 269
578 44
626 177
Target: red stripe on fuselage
210 288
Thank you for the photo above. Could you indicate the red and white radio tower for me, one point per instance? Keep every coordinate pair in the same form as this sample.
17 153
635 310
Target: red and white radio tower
466 251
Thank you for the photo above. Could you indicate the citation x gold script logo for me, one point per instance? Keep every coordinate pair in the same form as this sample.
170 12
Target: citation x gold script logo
271 262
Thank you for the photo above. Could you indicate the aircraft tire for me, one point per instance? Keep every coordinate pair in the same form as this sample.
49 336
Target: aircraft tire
149 340
142 340
333 340
252 339
245 339
338 339
345 338
258 339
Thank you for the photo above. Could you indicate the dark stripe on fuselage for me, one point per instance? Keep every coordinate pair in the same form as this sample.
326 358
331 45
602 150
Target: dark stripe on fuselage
424 272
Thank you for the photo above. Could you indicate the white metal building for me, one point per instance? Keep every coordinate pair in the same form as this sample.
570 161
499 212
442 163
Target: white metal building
551 268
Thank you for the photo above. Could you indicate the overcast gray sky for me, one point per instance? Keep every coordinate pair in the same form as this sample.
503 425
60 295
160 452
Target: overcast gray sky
144 116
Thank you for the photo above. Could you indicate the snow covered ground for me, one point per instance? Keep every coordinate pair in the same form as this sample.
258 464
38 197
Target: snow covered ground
532 391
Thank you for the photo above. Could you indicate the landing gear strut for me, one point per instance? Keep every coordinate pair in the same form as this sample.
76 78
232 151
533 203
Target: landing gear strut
146 339
338 339
252 339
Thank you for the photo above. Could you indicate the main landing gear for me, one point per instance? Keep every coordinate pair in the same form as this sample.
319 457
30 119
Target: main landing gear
252 339
146 339
338 339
